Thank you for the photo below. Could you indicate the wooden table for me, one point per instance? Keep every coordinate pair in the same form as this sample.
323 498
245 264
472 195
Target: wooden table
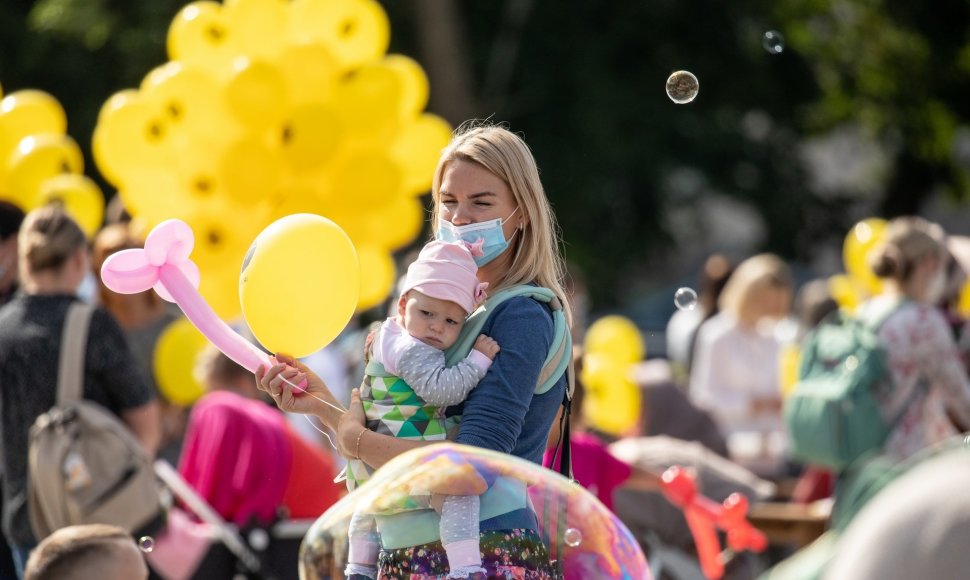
791 524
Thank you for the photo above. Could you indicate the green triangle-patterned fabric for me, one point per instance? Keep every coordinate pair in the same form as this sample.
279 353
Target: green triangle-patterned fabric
393 408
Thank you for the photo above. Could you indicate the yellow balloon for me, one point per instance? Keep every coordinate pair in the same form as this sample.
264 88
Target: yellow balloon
256 93
612 402
81 198
417 149
220 287
176 351
299 310
248 171
615 338
36 159
788 364
28 112
130 137
187 100
377 276
365 181
258 26
152 194
846 292
414 84
200 35
963 303
310 73
369 101
861 239
355 31
390 226
312 135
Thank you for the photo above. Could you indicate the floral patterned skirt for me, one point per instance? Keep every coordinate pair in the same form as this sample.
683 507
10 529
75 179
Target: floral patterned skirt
517 554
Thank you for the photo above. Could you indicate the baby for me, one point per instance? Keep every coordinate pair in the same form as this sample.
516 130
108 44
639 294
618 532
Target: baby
407 388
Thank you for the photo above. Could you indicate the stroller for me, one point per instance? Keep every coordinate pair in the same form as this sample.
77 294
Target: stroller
217 550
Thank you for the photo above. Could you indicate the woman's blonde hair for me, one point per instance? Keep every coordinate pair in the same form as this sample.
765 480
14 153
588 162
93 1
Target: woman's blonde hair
743 292
907 241
47 238
537 257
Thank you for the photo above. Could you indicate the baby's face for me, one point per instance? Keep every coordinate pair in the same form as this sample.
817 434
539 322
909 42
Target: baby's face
433 321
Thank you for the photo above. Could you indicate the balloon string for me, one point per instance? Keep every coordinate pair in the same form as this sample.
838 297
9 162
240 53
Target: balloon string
312 424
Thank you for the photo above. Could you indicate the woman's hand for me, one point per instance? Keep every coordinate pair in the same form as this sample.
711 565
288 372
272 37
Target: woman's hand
295 388
351 427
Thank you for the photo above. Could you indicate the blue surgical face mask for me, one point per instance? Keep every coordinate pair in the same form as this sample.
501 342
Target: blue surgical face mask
88 289
490 232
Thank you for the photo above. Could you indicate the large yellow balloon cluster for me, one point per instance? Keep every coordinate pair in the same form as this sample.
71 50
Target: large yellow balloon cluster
613 345
40 164
269 108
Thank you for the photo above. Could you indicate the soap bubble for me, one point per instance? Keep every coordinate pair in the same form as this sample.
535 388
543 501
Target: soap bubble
146 544
685 299
591 541
682 87
773 42
573 537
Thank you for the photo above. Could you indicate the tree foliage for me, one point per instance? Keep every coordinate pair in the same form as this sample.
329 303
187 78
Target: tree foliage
584 83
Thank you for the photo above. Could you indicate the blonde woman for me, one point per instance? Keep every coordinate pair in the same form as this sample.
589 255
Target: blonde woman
928 378
53 260
735 375
486 188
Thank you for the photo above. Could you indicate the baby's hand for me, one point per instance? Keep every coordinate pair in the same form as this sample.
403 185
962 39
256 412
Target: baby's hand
487 346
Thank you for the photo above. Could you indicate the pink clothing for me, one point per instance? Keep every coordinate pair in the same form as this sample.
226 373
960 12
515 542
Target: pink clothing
237 456
393 341
594 466
921 351
447 271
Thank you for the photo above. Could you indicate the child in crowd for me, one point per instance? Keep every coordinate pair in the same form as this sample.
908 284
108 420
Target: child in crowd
407 388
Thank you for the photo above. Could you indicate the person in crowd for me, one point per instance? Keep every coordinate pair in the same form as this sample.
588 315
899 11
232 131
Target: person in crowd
486 187
439 292
142 317
917 527
11 217
53 260
683 325
928 382
242 456
735 375
85 552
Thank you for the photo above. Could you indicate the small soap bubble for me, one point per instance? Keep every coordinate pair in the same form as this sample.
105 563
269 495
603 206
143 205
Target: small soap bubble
146 544
682 87
773 42
572 537
685 299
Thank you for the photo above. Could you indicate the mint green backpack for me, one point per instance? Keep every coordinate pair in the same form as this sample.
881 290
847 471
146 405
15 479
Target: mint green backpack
832 417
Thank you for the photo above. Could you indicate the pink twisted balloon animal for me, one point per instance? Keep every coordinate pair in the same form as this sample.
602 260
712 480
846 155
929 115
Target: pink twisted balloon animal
164 265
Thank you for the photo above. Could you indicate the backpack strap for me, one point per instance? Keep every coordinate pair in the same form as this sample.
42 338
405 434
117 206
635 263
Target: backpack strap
74 338
874 321
560 351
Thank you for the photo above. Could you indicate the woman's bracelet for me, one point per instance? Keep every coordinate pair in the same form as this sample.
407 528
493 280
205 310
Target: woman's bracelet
357 447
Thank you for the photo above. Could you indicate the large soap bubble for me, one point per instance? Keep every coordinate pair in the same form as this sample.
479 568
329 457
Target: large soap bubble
582 536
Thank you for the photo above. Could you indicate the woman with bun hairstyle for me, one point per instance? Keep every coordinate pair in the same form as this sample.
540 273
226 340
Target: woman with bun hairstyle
53 260
929 385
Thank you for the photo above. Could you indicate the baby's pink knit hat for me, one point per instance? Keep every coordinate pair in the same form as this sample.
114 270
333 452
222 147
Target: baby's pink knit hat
447 271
